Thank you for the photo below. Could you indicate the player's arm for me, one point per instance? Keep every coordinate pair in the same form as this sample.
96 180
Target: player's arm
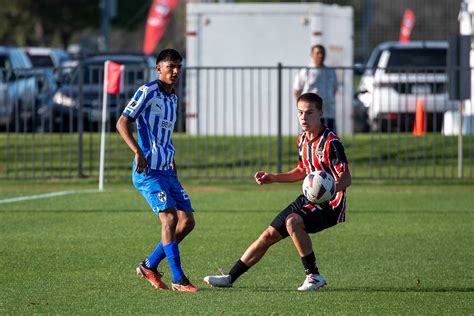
345 180
296 174
339 163
124 128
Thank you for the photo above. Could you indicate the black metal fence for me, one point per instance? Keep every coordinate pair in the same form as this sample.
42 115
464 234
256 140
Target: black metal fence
233 121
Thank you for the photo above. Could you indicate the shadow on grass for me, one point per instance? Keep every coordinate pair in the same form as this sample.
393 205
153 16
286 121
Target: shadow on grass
401 289
360 289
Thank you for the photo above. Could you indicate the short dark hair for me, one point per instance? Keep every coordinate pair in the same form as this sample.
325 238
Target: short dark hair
321 47
311 98
169 54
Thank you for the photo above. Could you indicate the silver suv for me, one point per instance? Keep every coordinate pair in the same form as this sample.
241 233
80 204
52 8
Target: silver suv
399 76
17 89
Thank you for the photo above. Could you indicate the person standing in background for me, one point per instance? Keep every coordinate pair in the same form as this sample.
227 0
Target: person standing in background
319 79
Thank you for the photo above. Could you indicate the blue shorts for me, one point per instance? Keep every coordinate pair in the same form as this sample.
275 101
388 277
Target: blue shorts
162 190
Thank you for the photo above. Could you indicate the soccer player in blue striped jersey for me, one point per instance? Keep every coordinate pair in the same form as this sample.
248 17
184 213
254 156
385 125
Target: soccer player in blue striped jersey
153 108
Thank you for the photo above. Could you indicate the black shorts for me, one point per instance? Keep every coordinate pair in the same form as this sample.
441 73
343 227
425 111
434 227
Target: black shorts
315 217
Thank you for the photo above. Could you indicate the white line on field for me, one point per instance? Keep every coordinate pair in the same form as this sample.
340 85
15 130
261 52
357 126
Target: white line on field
46 195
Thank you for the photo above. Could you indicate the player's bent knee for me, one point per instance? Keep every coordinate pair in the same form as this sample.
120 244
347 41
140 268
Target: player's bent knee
168 220
293 222
270 236
188 224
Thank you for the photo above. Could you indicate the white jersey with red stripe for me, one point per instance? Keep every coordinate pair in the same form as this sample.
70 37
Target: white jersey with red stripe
325 152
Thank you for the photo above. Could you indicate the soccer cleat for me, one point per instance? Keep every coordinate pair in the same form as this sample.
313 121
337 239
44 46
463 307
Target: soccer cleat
184 286
312 282
218 280
153 276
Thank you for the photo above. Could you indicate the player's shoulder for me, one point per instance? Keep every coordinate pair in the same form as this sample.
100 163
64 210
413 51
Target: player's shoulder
334 140
330 135
149 86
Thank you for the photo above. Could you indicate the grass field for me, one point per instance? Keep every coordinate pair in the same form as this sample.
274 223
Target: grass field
405 249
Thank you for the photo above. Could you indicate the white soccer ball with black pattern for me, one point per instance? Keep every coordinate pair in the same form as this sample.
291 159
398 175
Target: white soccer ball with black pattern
319 187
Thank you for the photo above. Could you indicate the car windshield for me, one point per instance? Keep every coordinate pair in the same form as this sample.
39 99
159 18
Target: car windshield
427 59
4 62
41 60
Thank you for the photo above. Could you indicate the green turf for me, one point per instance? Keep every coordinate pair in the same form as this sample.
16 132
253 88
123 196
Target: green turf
405 249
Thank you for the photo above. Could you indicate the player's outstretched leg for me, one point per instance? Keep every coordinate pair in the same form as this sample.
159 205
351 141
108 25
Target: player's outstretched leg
251 256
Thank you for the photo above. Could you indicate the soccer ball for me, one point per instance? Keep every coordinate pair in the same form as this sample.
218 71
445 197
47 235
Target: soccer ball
319 187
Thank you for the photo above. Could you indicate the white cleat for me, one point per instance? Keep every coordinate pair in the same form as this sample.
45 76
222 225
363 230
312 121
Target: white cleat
218 280
313 282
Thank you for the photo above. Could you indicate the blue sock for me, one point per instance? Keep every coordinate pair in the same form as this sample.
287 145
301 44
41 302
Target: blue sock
155 258
172 253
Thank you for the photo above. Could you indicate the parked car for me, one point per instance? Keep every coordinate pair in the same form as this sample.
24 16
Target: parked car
47 86
359 115
46 57
17 89
399 76
55 59
84 87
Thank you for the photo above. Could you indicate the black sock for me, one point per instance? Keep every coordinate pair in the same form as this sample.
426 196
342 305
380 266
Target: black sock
237 270
309 264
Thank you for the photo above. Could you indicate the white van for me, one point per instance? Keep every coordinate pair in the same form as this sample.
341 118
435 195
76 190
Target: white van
399 76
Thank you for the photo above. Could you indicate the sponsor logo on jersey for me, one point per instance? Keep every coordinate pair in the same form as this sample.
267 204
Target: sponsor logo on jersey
132 104
320 152
166 124
143 88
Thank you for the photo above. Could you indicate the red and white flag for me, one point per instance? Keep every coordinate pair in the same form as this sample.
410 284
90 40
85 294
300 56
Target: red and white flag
406 28
113 77
158 17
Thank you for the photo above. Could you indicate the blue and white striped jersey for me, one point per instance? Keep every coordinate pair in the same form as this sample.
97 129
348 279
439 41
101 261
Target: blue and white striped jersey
154 111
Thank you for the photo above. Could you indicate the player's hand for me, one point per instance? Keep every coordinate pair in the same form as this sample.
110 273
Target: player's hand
262 177
141 165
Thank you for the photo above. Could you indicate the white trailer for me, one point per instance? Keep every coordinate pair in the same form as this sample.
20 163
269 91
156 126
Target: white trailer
257 35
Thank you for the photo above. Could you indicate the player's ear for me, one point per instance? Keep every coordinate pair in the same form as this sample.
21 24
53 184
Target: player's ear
158 67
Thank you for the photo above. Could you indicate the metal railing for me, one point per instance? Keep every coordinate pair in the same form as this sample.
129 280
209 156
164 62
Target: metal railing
233 121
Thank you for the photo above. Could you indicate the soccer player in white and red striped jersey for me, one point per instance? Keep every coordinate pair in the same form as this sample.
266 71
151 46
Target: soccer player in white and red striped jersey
319 149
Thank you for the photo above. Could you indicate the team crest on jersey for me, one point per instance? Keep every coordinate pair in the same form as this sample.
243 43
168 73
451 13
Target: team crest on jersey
320 152
161 196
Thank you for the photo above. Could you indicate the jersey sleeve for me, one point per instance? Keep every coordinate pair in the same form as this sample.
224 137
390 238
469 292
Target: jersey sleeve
337 157
137 103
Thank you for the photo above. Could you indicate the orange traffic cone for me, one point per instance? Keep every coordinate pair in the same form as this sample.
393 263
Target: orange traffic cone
419 128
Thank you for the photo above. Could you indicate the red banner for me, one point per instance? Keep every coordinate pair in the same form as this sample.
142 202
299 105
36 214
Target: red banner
408 23
158 17
113 77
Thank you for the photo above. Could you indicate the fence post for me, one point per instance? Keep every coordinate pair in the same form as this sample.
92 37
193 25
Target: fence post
460 144
80 124
279 101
